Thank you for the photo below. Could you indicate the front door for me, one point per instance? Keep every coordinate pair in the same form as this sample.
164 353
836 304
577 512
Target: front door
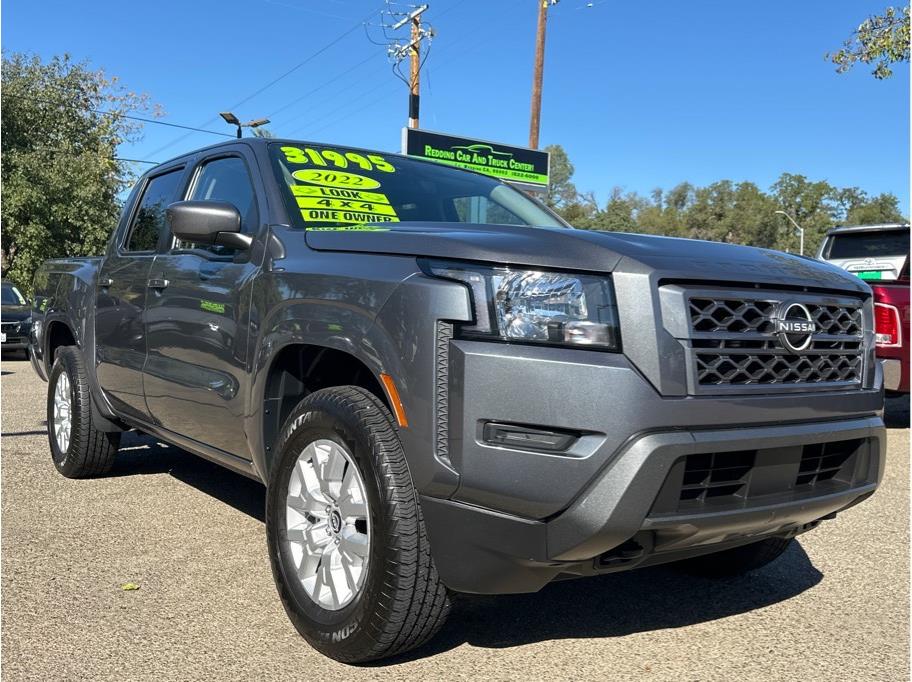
122 287
198 319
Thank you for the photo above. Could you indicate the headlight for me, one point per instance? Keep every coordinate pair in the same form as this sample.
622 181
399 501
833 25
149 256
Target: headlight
536 306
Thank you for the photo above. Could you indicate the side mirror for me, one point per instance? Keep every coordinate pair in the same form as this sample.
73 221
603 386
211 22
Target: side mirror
207 222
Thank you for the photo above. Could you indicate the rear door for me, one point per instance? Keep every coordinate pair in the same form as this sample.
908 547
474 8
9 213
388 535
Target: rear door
121 296
199 316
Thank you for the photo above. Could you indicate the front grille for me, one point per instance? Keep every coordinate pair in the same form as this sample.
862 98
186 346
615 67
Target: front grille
741 315
12 330
734 341
710 481
767 368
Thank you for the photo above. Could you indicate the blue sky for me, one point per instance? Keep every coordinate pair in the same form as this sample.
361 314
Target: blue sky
641 94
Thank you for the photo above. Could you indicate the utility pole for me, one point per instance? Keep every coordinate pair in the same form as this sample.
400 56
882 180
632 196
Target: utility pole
414 89
412 50
535 117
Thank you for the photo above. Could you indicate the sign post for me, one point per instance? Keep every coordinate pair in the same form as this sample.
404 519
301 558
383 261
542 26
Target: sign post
519 166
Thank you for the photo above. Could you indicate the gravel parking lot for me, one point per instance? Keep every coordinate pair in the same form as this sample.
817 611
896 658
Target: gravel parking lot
190 534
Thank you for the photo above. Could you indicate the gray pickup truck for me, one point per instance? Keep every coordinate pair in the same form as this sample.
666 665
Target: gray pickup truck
447 388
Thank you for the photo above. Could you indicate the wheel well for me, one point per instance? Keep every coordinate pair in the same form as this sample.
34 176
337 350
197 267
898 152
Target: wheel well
299 370
58 334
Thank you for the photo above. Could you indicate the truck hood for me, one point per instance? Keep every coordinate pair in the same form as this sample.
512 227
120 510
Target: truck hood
15 313
589 250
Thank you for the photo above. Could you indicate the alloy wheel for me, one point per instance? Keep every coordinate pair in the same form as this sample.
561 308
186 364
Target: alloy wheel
63 410
328 524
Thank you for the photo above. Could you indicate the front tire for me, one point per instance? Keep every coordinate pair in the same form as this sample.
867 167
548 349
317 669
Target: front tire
347 543
78 449
734 562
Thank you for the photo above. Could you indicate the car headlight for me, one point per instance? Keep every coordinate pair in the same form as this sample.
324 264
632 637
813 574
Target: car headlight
536 306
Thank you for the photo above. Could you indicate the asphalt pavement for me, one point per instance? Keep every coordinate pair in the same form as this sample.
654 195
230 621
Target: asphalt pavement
190 535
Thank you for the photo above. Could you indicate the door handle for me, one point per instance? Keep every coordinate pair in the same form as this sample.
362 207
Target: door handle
158 283
105 282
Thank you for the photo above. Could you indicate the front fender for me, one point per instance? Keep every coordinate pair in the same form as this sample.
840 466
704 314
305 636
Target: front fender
326 300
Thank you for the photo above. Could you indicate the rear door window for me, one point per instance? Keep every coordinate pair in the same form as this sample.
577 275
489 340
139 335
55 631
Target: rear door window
149 220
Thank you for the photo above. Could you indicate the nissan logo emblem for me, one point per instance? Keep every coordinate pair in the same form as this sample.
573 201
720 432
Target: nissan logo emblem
795 327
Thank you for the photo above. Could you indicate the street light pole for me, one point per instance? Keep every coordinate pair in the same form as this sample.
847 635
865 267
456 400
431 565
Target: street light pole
797 227
233 120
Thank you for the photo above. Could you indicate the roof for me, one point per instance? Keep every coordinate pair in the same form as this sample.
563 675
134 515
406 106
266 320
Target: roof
263 141
867 228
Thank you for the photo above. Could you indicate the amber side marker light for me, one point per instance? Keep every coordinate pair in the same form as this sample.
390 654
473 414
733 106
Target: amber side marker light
393 396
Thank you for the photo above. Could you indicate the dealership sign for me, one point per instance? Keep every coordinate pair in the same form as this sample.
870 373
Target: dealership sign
527 168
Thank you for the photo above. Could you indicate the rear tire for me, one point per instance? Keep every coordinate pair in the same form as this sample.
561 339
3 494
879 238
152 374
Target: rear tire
737 561
78 449
386 596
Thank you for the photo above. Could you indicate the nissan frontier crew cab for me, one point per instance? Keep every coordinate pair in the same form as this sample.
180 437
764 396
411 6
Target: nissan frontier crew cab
446 388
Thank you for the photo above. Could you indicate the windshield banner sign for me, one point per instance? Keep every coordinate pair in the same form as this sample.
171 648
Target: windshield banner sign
516 165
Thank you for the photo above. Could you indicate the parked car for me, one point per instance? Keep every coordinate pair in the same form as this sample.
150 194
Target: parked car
438 405
15 319
879 254
876 253
891 324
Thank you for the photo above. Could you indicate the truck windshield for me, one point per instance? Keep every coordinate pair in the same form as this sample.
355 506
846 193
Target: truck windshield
338 188
11 295
869 244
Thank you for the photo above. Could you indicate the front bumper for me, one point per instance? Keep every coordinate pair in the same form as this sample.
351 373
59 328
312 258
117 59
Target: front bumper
616 522
16 335
612 501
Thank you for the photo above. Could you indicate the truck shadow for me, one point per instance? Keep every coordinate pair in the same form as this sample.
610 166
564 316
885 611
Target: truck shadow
896 412
612 605
616 605
142 454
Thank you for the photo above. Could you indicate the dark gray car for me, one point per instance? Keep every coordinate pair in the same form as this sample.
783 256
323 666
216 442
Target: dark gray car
446 388
15 319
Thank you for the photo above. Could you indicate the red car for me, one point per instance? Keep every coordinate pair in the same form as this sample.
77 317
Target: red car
891 317
879 254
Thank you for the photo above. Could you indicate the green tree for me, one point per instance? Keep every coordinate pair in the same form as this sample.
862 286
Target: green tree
62 124
620 212
813 205
582 212
881 40
561 190
884 208
753 217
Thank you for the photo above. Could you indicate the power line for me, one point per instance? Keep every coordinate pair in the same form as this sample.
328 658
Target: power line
304 61
151 163
278 78
320 87
70 153
337 109
447 48
118 114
